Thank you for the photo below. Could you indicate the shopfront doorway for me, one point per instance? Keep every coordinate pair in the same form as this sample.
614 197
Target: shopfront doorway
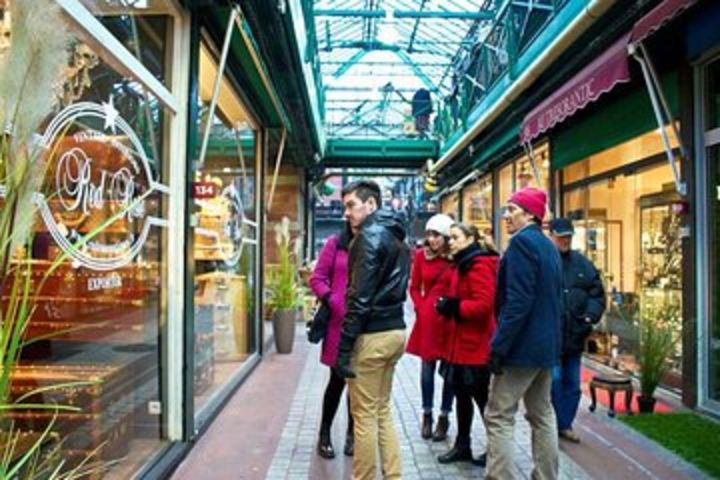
709 232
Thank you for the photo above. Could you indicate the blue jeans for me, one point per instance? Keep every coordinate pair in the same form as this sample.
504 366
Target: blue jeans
566 390
427 386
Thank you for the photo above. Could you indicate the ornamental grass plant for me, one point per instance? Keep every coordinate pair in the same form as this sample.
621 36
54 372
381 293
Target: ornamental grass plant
31 74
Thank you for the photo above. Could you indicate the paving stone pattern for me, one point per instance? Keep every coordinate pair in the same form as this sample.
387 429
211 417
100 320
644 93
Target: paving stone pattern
295 457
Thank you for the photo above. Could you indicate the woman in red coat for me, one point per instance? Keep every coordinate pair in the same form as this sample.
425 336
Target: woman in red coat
431 274
470 316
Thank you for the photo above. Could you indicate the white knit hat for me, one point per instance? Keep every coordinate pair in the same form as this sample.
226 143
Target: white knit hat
440 223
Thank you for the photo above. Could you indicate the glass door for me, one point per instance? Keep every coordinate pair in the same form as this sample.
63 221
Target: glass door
224 197
711 139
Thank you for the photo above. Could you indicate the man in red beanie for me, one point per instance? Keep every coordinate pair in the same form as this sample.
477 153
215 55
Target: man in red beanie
526 344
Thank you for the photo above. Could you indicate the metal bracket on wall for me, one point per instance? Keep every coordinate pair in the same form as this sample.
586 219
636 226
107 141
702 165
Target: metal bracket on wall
278 161
530 152
663 116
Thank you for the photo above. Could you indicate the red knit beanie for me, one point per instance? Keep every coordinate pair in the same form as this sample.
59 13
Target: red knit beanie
532 200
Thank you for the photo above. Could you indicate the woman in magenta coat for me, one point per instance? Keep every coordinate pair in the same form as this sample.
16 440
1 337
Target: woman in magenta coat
430 280
328 282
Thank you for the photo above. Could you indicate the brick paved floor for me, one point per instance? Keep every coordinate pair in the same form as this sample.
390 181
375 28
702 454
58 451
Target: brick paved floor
295 457
268 431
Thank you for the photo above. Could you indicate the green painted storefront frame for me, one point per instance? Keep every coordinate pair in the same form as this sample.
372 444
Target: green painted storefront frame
374 152
610 123
243 66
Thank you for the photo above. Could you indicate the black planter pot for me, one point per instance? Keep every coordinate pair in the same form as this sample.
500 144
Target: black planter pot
645 404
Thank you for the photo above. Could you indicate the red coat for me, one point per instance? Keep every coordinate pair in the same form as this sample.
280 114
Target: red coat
469 339
429 281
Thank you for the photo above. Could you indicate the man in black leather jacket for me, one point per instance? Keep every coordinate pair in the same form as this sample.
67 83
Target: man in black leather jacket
584 304
373 332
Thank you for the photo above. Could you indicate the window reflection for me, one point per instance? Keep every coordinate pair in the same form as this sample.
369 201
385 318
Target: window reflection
224 200
99 309
144 27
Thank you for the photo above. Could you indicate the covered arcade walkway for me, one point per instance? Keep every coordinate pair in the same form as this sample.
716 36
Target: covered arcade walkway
268 430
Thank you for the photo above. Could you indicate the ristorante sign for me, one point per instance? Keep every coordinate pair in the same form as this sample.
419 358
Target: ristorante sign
588 85
101 185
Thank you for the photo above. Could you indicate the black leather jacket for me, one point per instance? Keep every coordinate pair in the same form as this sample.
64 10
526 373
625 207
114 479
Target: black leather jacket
584 297
378 271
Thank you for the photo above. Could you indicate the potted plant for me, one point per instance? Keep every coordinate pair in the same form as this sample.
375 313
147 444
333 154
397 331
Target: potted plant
284 296
657 342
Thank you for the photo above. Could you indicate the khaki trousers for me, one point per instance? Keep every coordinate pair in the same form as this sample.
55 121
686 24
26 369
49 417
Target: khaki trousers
373 361
533 385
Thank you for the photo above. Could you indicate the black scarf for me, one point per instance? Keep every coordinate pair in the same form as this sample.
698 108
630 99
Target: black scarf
465 258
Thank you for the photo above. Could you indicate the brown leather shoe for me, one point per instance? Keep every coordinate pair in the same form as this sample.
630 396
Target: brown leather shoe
427 426
569 435
441 429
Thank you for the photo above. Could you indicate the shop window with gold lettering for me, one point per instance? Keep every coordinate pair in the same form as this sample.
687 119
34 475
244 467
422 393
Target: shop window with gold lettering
627 223
223 201
96 262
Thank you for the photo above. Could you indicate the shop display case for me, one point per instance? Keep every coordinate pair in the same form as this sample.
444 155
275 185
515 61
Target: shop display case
660 272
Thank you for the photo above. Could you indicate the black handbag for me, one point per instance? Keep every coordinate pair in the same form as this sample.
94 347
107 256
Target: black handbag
316 327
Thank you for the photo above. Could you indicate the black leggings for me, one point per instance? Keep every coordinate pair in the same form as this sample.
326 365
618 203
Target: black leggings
464 396
331 401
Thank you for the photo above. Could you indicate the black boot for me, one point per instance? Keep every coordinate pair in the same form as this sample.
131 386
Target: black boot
480 461
427 426
349 449
461 452
441 429
324 446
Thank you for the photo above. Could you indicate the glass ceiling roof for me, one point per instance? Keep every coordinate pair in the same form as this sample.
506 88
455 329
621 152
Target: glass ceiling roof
376 54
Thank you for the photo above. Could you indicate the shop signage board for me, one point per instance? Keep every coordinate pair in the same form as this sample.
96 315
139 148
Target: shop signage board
585 87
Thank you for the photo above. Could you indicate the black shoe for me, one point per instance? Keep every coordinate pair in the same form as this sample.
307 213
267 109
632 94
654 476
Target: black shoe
324 446
480 461
441 429
349 449
427 426
456 454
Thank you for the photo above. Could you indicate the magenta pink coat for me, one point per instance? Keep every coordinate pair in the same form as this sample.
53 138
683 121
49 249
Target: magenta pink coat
330 279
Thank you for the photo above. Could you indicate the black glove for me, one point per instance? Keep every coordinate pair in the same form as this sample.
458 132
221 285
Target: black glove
495 364
342 366
448 306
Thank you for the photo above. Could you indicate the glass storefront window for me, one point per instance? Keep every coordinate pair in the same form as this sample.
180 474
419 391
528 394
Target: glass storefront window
627 226
144 27
450 204
225 240
643 146
711 348
478 204
100 306
518 174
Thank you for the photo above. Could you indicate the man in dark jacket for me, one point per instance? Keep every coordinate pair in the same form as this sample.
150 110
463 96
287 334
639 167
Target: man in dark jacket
526 344
373 331
584 305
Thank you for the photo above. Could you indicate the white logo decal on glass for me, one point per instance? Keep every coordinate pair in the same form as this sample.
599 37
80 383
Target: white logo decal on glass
98 174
